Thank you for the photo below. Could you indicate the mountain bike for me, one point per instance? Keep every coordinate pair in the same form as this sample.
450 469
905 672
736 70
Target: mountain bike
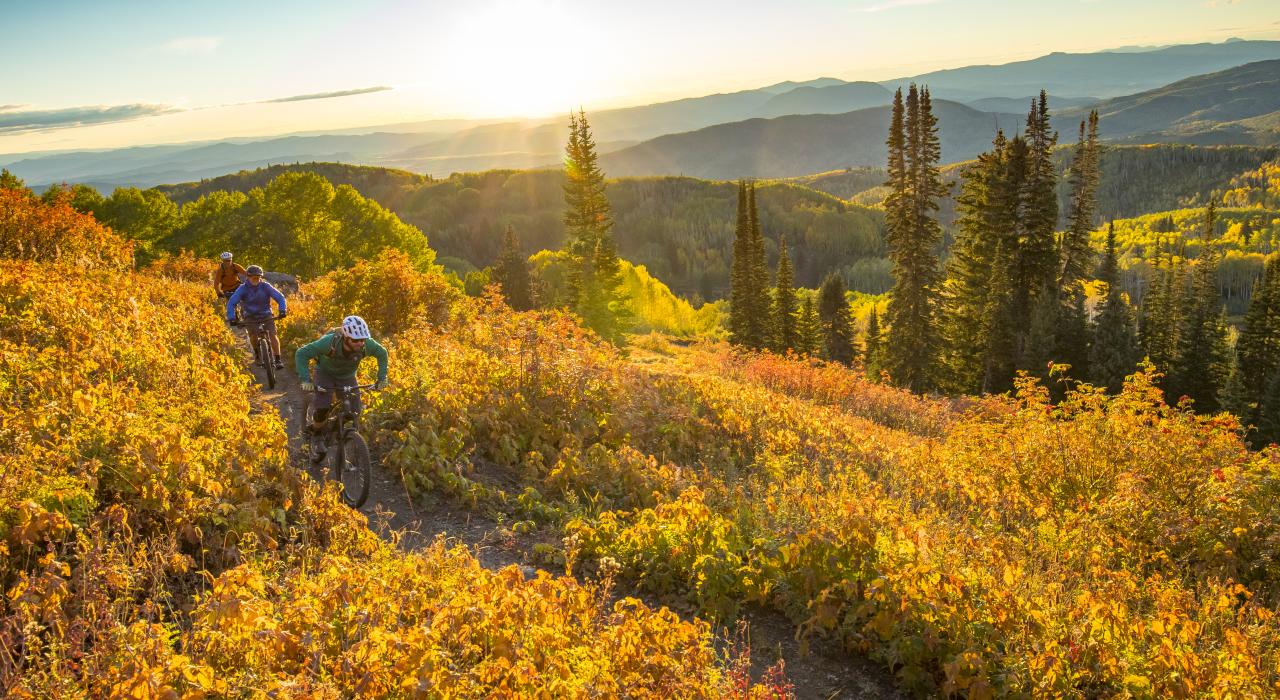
340 440
262 355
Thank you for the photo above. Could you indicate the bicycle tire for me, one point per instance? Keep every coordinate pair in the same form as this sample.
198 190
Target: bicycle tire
268 362
351 468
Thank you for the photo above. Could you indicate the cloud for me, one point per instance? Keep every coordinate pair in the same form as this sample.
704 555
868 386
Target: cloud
190 45
891 4
327 95
7 108
14 121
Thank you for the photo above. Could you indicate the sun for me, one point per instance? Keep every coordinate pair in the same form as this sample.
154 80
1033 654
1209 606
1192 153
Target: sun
519 59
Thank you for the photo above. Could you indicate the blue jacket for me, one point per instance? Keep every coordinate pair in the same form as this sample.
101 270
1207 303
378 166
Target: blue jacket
256 300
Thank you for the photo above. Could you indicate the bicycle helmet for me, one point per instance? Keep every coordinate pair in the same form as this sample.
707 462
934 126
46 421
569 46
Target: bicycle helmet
225 255
253 271
355 328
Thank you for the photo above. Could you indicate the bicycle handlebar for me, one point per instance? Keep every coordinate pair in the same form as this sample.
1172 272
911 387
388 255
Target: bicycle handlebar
358 386
246 321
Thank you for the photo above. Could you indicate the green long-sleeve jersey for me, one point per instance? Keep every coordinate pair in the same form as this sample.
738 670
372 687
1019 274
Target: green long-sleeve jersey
329 356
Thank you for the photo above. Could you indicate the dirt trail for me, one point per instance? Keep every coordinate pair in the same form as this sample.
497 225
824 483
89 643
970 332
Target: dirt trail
391 511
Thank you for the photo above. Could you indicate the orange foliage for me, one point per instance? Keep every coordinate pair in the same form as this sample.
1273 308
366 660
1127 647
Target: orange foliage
33 230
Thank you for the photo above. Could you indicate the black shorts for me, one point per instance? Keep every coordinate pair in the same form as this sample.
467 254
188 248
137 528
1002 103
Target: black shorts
325 383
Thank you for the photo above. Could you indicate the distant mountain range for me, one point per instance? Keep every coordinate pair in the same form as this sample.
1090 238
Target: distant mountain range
800 144
1101 75
1239 105
836 122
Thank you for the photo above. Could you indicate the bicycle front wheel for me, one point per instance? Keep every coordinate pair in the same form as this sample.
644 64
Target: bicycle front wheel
351 468
268 366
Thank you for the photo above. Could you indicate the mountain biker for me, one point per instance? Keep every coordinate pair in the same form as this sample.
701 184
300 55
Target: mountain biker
227 277
337 354
255 301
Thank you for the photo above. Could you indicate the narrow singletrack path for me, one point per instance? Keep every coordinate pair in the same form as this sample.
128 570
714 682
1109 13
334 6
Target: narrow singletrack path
411 523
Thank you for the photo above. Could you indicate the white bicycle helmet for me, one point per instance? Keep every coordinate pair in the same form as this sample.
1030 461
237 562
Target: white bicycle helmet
355 328
225 256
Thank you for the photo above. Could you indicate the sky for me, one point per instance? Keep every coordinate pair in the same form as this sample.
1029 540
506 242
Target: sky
81 74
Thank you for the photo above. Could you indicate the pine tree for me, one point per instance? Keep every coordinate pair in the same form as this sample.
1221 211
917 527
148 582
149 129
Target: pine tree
837 320
758 323
1113 355
1203 351
512 273
1268 425
1038 256
980 226
9 181
871 350
784 303
913 235
740 281
1258 347
809 329
595 274
1077 254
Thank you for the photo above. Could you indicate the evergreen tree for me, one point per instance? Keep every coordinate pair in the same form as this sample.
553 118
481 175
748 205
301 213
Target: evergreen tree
595 274
1001 352
837 320
1113 355
809 329
1077 254
871 350
913 235
758 322
1203 351
512 272
1258 347
784 303
980 226
1038 256
1268 425
740 279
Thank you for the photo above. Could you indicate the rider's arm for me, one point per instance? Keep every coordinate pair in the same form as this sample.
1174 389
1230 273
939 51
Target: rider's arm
275 294
232 301
373 347
305 354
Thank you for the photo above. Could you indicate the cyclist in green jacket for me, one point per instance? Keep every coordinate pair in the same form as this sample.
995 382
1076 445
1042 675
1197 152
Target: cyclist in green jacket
337 355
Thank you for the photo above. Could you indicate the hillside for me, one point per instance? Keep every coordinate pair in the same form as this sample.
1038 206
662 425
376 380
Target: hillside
386 185
1237 105
680 229
799 145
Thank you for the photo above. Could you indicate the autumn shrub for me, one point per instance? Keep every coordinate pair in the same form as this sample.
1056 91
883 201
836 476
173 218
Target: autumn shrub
182 266
387 292
31 229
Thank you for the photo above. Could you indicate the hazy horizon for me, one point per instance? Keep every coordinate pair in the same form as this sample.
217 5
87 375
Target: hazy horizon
99 77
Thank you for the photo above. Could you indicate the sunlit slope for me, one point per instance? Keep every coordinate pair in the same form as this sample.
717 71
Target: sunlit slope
1006 546
156 542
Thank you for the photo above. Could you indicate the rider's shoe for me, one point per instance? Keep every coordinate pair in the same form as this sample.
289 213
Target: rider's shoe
278 363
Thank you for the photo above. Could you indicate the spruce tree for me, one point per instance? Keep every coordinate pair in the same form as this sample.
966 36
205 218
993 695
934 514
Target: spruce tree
1268 425
1113 355
913 235
758 322
784 303
980 226
1202 365
1038 256
595 273
1076 252
871 346
512 273
1258 347
740 280
837 320
809 329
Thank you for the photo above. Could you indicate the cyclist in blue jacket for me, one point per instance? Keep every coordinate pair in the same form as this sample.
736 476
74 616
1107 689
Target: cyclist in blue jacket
255 299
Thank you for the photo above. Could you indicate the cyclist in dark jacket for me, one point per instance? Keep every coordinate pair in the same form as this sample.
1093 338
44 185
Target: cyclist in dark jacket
255 300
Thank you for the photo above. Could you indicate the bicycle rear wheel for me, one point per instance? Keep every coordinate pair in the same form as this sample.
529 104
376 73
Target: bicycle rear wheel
351 468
